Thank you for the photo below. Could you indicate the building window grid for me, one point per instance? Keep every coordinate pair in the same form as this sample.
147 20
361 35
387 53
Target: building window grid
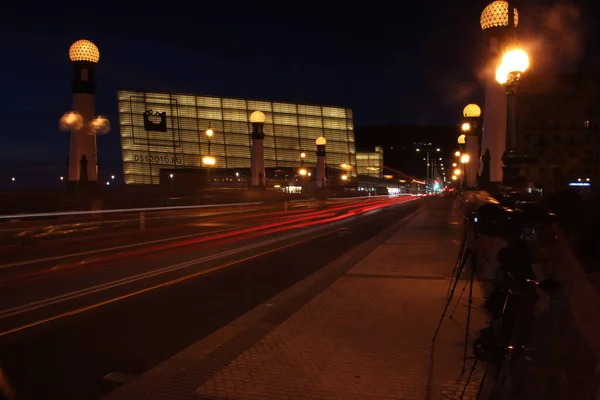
191 147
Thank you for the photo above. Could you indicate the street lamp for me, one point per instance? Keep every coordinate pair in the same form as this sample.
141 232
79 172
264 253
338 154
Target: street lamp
430 165
257 153
465 127
344 177
462 139
457 153
320 142
171 179
514 63
209 135
209 160
464 160
303 171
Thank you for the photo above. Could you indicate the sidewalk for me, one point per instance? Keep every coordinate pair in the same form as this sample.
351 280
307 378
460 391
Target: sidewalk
363 332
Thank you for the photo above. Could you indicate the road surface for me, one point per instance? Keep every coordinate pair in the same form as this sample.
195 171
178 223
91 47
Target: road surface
78 306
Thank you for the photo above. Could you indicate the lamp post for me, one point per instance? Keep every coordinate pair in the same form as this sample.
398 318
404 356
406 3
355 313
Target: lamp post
320 171
257 166
464 160
508 73
171 179
209 134
81 122
471 131
302 171
498 20
208 160
429 164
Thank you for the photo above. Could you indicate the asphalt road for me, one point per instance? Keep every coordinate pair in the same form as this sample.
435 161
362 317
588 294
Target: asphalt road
130 328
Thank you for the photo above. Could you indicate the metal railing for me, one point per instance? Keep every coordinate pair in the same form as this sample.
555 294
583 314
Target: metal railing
543 341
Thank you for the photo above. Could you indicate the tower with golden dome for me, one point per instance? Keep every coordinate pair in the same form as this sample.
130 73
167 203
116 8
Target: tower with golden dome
84 56
494 22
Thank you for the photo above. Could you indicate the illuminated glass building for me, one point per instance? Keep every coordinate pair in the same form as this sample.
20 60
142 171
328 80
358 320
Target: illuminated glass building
167 131
370 163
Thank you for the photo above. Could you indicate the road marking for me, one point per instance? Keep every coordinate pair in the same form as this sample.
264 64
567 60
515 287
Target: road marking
125 246
124 210
158 286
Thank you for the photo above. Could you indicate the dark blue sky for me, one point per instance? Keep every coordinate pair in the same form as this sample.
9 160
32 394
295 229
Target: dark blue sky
399 62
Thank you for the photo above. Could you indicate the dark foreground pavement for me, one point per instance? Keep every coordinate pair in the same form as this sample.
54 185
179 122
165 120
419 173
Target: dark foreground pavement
68 358
359 328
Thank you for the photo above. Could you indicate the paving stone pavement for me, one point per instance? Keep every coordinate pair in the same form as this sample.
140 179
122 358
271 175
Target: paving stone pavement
368 335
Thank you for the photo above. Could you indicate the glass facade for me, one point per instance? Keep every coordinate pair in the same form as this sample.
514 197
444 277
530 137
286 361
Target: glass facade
166 131
370 163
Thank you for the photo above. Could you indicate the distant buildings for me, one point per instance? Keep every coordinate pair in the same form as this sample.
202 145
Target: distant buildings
558 125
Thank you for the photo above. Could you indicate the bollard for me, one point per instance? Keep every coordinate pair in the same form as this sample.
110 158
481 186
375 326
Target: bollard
142 221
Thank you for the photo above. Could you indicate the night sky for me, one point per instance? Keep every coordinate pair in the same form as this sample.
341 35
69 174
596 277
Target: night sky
402 62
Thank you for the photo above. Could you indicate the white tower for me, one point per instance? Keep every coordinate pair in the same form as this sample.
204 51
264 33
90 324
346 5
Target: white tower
257 152
471 113
494 22
320 171
84 56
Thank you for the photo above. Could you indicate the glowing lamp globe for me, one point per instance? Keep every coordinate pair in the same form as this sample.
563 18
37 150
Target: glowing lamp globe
84 51
465 127
516 60
502 74
71 120
462 139
99 125
495 15
321 141
472 111
257 117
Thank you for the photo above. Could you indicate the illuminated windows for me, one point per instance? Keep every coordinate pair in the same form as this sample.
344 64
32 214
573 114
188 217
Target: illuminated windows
289 129
370 163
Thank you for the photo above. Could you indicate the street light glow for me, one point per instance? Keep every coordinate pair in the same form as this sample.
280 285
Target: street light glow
344 177
454 164
454 177
171 176
210 132
209 160
302 171
513 62
465 159
465 127
303 155
457 153
457 171
516 60
462 139
13 179
438 149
